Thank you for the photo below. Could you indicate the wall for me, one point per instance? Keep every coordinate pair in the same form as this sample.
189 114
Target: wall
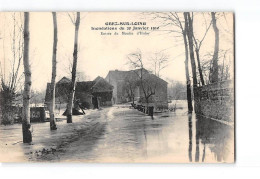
37 114
113 82
215 101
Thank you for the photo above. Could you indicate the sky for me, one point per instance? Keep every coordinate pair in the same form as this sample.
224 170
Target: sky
100 53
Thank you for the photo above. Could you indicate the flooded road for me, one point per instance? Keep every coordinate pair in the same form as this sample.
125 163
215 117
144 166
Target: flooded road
123 134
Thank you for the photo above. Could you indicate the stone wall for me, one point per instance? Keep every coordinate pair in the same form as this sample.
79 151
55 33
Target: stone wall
215 101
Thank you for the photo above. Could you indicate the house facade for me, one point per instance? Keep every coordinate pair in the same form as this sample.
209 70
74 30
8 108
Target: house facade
151 87
90 94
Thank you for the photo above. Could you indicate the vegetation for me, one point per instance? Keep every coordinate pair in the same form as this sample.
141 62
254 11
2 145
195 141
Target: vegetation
53 125
26 126
76 22
11 79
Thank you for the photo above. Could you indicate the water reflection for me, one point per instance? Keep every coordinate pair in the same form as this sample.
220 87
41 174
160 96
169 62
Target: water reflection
197 137
138 138
190 136
213 137
197 154
203 155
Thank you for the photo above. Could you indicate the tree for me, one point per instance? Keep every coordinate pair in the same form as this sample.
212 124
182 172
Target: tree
198 44
175 91
159 62
27 136
10 82
149 85
81 76
146 81
189 26
53 125
37 97
74 68
130 84
172 20
188 83
224 69
214 76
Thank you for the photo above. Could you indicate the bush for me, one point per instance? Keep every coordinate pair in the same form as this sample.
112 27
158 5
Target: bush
7 117
7 96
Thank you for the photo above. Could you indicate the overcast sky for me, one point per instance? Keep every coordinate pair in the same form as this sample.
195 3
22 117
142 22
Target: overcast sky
100 53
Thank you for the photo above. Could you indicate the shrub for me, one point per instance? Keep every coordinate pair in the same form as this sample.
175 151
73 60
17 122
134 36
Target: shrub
7 117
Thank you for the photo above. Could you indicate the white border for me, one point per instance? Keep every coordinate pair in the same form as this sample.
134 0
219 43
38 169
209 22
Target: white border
247 18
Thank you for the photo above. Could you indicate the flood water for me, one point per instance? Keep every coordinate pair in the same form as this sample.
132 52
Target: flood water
130 136
123 134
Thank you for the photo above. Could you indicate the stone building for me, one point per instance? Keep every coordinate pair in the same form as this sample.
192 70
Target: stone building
151 85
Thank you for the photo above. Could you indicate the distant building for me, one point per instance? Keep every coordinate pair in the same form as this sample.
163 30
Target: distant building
118 79
90 94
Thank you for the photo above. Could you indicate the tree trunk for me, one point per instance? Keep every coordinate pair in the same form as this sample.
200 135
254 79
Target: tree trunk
189 100
147 104
74 69
199 67
189 22
214 77
53 77
27 136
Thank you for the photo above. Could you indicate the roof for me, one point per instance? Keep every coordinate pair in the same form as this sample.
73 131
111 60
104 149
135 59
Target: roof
97 78
63 87
122 75
117 75
64 80
101 85
84 86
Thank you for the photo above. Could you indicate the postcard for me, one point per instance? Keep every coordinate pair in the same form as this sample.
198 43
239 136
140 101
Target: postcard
117 87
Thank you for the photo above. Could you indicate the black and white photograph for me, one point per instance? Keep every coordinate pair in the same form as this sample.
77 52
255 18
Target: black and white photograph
117 87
